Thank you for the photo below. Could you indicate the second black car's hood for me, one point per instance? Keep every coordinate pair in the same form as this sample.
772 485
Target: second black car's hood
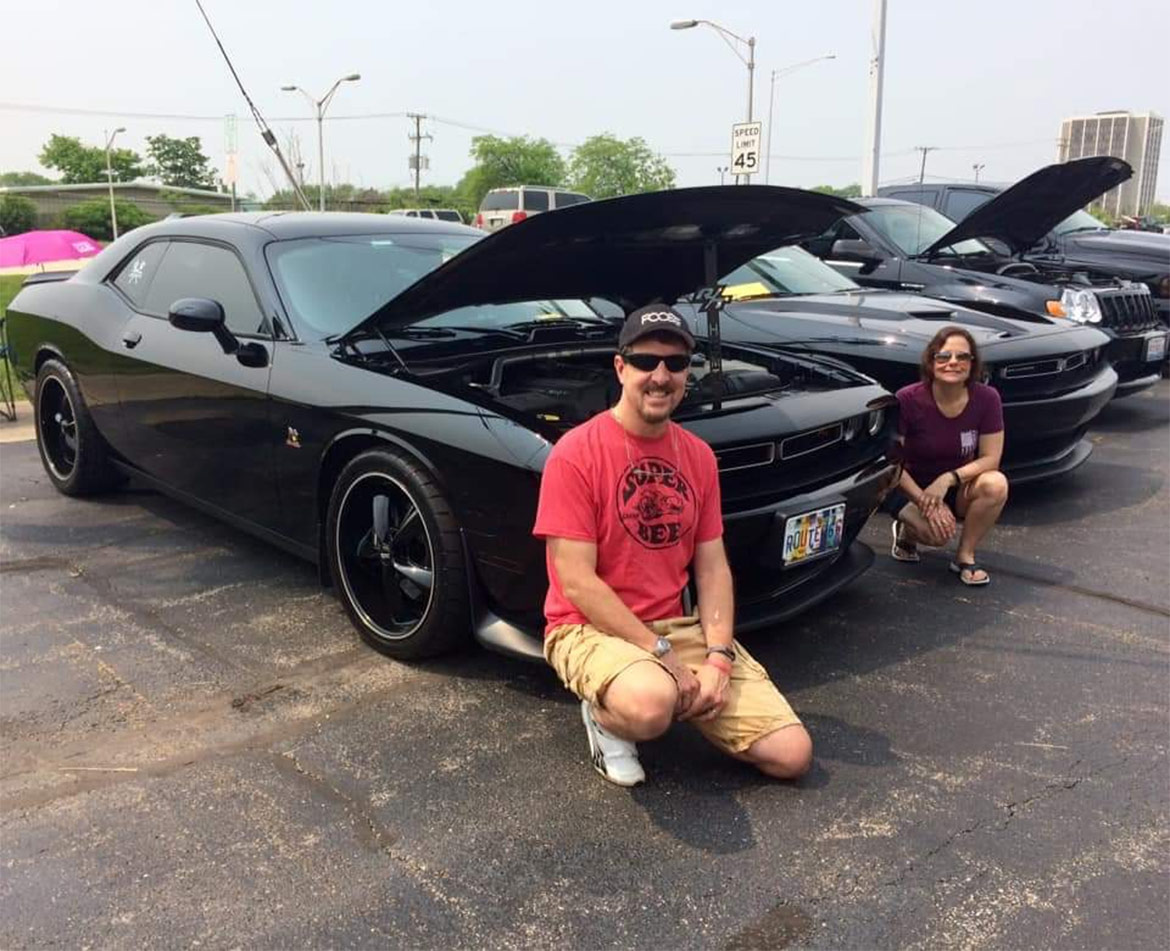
1033 206
635 250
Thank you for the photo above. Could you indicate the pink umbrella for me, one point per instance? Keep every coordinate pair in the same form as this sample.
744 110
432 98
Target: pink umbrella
38 247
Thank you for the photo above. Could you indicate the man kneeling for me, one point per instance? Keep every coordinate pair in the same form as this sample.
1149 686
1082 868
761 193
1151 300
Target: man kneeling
628 499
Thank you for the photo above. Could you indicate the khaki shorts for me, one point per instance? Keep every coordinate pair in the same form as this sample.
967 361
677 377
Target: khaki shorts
587 661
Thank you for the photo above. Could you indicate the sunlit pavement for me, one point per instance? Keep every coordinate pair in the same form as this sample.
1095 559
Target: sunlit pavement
196 749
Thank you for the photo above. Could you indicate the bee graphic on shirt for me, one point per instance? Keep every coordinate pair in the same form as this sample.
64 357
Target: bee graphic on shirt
654 502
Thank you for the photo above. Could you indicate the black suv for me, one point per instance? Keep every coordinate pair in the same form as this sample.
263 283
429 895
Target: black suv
904 246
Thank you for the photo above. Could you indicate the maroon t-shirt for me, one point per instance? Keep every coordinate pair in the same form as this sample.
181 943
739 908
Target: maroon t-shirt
646 503
934 444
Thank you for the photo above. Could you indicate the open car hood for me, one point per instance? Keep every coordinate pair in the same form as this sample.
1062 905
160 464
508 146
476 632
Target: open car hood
635 250
1033 206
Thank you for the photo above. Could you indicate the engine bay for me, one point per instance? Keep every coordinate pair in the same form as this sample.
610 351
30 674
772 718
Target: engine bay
567 388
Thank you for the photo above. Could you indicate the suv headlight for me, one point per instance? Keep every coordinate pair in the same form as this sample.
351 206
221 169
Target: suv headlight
874 421
1081 305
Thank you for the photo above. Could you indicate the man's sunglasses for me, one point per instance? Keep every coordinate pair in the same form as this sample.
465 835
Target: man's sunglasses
648 362
946 356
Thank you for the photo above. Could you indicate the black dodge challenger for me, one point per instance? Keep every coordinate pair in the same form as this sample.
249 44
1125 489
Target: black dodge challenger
379 394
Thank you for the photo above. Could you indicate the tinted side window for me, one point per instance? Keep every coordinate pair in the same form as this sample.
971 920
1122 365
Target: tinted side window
203 270
918 196
961 202
138 270
449 216
565 199
535 201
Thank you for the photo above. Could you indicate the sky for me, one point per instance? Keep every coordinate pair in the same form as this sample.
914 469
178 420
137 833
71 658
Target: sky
984 83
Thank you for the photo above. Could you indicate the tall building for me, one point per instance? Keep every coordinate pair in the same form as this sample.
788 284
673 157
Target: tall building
1137 138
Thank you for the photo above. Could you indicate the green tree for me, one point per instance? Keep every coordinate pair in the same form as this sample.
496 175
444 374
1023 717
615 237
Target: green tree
604 166
11 179
515 161
84 164
849 191
17 214
179 162
1160 212
93 218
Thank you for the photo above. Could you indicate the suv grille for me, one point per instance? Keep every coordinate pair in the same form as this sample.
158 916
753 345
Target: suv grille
1127 309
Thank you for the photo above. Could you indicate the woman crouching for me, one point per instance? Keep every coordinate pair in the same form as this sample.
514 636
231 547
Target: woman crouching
951 431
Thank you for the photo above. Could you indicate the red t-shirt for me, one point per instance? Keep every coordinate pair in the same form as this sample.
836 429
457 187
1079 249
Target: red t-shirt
646 503
934 443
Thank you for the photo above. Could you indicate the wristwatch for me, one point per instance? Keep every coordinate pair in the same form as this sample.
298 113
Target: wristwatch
661 647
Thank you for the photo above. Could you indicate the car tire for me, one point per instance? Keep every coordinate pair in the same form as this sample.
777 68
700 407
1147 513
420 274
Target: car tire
396 557
72 450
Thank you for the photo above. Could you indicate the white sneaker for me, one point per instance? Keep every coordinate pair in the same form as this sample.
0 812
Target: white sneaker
615 759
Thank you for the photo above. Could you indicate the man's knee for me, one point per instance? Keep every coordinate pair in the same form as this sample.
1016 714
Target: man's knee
786 753
992 486
643 698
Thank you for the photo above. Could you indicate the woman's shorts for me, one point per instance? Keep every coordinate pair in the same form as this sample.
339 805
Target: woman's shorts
897 500
588 660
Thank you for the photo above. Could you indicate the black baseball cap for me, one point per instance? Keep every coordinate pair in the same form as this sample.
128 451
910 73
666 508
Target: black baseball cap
655 319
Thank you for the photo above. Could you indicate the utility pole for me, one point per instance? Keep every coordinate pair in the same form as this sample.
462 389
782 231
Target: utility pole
924 149
417 159
877 66
978 167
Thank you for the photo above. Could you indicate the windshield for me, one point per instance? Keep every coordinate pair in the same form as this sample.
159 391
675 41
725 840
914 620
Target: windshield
788 270
500 201
914 228
1078 221
331 284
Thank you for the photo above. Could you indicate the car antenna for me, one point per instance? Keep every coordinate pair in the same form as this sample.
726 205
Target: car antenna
265 133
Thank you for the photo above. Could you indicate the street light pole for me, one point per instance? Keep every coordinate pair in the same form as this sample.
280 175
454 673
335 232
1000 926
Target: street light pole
110 180
783 71
319 107
750 62
721 169
978 166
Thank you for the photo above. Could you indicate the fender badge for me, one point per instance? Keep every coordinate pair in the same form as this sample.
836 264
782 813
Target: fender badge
293 439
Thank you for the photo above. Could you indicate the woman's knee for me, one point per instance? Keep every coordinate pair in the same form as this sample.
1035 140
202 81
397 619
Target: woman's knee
786 753
992 486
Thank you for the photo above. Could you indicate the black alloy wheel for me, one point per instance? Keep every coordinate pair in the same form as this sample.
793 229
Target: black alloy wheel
72 451
396 557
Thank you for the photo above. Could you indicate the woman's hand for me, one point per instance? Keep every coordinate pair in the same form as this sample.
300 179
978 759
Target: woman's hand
933 494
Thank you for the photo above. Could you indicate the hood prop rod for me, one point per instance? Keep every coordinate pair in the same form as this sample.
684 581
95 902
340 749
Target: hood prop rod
712 305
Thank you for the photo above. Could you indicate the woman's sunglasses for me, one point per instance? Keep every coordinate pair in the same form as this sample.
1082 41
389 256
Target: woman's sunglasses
648 362
946 356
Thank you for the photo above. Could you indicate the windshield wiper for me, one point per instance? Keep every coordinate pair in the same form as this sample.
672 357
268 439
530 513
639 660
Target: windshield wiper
574 323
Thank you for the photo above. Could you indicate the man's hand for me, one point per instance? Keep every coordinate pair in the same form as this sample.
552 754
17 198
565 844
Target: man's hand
688 684
712 694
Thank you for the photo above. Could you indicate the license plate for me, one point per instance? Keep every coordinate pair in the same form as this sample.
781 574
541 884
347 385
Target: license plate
813 534
1156 348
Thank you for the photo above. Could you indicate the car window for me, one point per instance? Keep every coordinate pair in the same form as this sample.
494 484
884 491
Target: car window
565 199
961 202
788 270
1079 221
191 269
535 200
500 201
917 195
914 228
138 270
331 284
448 216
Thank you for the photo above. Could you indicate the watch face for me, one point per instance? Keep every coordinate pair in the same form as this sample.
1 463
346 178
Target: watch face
661 646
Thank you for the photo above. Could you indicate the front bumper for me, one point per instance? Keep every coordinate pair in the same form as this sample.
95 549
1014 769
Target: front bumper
766 592
1128 357
1043 437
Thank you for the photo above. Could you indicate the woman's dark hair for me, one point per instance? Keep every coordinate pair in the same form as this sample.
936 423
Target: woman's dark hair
936 344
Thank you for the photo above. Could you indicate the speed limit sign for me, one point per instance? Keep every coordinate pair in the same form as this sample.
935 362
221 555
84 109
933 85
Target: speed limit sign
745 147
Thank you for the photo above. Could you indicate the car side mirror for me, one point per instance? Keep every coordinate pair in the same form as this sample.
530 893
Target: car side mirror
201 315
854 249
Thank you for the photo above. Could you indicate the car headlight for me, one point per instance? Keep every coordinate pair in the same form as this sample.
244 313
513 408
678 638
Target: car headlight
852 427
1081 305
874 420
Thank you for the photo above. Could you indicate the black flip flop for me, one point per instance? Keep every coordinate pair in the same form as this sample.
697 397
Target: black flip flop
958 567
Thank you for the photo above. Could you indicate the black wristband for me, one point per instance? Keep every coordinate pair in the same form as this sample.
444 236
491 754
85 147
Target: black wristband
958 478
726 651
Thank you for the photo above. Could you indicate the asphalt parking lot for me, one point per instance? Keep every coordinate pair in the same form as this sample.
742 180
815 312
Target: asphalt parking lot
197 751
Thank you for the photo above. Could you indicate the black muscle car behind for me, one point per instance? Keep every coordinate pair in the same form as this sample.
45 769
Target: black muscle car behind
379 395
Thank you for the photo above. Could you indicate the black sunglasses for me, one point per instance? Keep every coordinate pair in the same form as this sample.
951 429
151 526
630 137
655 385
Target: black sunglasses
945 356
648 362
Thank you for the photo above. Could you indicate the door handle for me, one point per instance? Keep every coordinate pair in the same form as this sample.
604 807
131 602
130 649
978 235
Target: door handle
131 338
